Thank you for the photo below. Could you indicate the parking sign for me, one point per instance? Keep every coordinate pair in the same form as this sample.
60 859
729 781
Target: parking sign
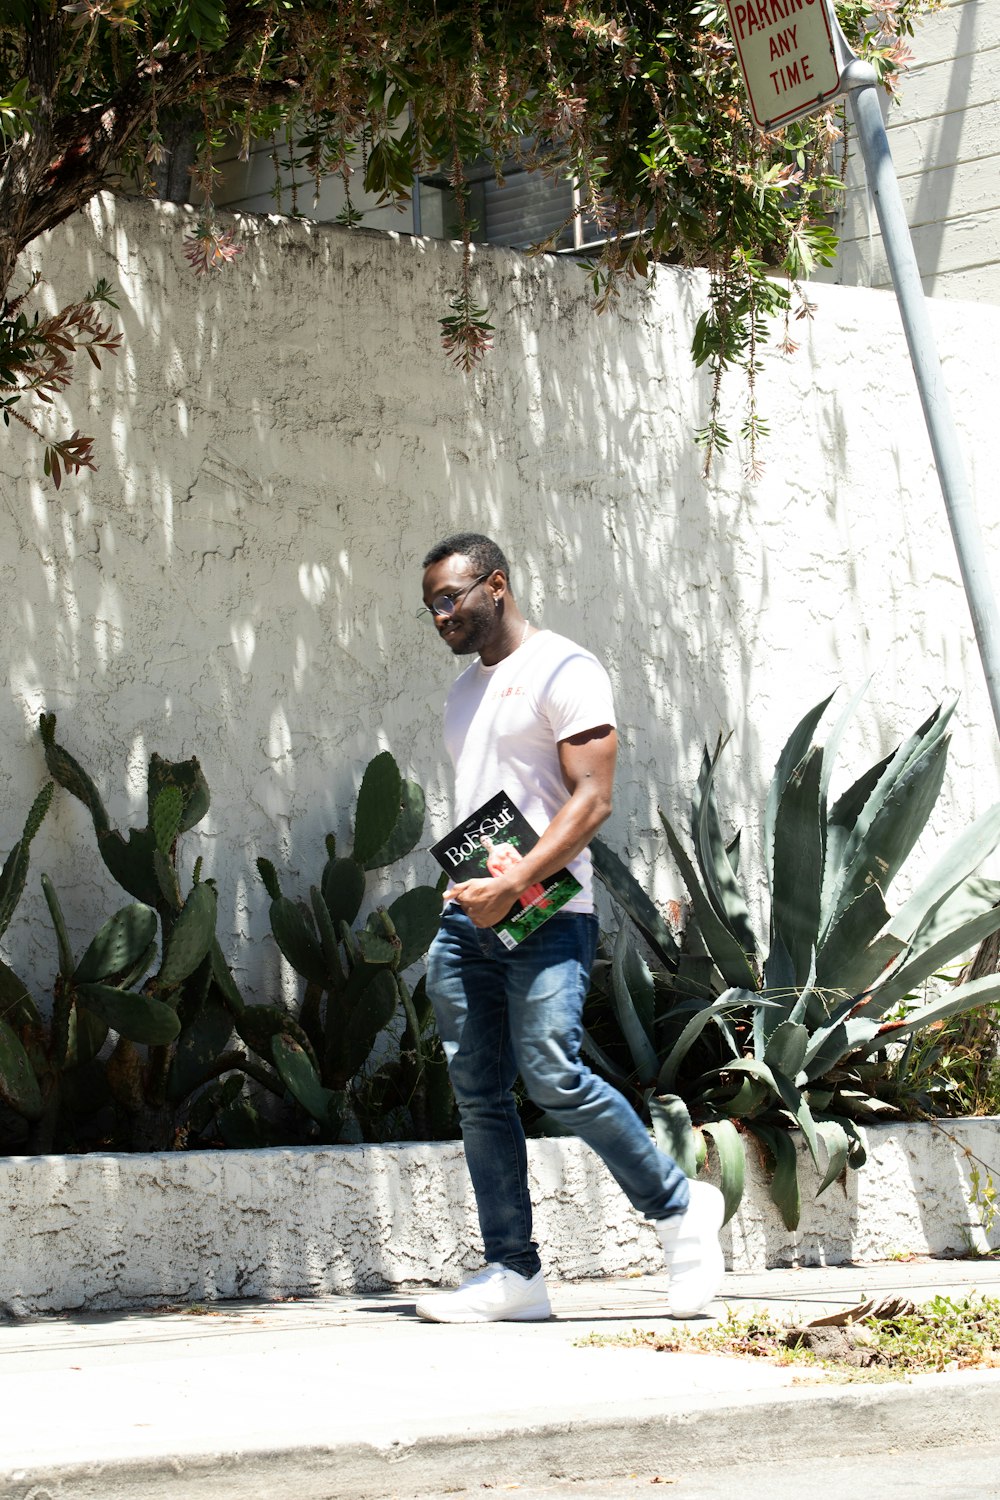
788 58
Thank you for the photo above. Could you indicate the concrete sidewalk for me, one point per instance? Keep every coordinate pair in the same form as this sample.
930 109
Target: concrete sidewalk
355 1397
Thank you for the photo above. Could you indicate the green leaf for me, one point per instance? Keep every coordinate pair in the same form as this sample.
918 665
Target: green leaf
416 916
794 750
191 937
728 1143
847 959
67 963
296 938
376 949
963 997
895 814
797 873
328 940
258 1025
372 1011
119 945
18 1085
343 888
832 745
302 1082
783 1162
134 1016
673 1131
379 807
724 947
131 862
920 965
750 1098
964 855
15 870
732 999
69 773
269 875
632 994
835 1141
626 890
408 830
16 1005
168 809
223 978
838 1039
199 1045
714 861
786 1048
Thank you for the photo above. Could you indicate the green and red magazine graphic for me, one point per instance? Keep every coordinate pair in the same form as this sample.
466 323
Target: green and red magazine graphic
487 843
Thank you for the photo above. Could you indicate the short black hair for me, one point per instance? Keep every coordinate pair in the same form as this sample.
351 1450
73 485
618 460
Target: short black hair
480 550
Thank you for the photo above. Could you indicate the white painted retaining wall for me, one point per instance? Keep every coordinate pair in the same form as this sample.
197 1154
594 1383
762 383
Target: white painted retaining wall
126 1231
280 444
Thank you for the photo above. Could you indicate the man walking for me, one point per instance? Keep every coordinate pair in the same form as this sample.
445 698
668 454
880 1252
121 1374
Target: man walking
534 717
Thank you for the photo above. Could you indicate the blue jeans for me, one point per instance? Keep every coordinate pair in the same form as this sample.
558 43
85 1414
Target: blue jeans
502 1013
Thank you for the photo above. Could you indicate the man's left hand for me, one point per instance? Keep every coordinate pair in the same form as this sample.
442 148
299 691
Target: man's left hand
485 901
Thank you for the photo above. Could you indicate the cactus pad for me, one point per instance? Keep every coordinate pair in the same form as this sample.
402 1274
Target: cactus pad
191 938
134 1016
119 945
18 1085
379 804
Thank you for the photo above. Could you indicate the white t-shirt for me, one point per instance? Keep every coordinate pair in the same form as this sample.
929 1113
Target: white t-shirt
503 724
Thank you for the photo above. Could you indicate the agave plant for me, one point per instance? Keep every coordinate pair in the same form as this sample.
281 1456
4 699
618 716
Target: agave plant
745 1037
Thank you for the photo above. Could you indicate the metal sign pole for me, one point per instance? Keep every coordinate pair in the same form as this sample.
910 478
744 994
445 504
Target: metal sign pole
860 82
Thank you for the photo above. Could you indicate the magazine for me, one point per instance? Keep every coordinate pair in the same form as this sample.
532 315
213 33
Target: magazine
487 843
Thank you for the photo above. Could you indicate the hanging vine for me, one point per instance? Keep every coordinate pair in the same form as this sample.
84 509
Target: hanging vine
639 104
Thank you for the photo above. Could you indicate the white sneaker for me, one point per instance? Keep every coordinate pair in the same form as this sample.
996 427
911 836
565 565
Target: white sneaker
692 1251
496 1295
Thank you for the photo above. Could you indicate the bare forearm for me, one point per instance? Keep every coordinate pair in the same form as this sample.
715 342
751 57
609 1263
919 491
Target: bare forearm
587 762
570 831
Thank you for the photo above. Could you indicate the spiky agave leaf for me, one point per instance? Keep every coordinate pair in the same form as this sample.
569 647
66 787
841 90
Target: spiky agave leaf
714 861
729 1149
673 1131
792 753
895 813
632 995
783 1162
798 853
626 890
721 942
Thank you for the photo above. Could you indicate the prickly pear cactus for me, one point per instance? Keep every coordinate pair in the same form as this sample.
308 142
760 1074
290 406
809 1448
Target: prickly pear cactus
353 984
185 1003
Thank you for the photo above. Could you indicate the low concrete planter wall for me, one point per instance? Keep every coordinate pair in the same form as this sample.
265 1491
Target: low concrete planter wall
104 1232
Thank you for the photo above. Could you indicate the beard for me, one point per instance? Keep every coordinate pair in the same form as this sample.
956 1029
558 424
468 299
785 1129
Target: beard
471 632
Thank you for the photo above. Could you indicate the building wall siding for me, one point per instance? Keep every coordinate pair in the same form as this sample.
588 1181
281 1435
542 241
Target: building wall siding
944 134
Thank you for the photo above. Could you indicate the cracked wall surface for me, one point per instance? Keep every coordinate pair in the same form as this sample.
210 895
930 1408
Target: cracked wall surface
103 1232
280 444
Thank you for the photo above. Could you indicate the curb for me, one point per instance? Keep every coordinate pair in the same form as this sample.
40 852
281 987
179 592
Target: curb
848 1419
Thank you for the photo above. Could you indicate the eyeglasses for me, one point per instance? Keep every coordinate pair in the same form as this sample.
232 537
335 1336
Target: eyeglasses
446 604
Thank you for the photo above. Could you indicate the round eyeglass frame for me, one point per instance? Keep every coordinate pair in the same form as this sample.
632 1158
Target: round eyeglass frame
446 604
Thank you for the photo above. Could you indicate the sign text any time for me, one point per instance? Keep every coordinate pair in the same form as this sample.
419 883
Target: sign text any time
786 51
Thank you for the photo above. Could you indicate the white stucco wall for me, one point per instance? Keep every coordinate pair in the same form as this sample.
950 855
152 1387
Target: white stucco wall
128 1231
280 444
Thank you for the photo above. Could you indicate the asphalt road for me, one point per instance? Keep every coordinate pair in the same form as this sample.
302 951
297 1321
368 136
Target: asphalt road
961 1472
